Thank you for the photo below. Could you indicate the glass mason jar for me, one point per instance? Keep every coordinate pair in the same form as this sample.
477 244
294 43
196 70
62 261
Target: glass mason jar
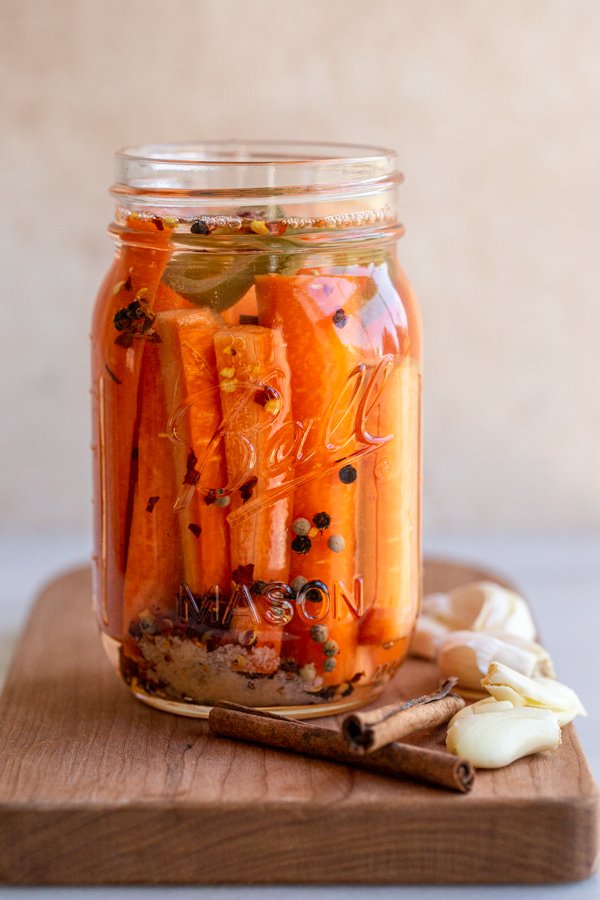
256 394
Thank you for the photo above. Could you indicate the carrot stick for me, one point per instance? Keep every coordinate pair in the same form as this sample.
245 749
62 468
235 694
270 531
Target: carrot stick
245 306
389 504
323 336
255 398
389 534
152 570
115 379
197 459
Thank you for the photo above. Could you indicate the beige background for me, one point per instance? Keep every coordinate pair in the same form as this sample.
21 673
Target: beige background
494 108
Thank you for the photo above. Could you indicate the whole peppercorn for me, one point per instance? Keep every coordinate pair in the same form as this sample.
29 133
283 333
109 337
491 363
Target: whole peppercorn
301 544
319 633
147 622
301 526
331 647
339 318
322 520
348 474
336 543
258 587
298 583
329 664
199 227
223 501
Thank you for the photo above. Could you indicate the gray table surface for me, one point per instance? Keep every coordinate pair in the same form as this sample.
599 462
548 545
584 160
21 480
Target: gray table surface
560 575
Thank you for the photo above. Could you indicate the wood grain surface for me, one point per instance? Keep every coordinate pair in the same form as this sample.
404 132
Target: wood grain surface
98 788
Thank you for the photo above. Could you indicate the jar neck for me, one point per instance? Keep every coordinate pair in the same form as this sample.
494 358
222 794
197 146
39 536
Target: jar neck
242 189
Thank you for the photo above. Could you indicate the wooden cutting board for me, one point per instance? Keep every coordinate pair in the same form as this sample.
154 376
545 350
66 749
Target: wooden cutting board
96 788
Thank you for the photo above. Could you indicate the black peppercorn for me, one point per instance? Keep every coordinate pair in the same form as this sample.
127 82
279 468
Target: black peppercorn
322 520
199 227
339 318
301 543
348 474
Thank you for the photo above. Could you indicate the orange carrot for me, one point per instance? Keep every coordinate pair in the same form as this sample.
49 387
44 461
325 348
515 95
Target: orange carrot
152 574
389 533
245 306
197 458
390 486
324 340
115 378
255 398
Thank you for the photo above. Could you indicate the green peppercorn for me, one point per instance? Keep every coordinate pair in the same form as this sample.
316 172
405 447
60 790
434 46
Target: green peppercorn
319 633
331 647
223 501
329 665
301 526
336 543
298 583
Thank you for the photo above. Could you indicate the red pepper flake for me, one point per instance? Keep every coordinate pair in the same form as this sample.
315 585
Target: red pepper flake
244 575
277 227
261 397
158 222
339 318
152 501
247 489
192 475
195 529
128 286
112 374
210 497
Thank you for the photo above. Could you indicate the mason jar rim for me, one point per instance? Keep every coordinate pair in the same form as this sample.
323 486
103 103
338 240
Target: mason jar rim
242 165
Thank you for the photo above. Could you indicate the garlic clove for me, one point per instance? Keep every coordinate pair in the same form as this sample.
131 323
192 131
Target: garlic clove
454 609
544 665
468 654
428 632
482 606
496 740
505 683
487 705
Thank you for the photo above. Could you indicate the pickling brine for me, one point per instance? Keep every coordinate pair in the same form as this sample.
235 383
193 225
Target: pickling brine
256 385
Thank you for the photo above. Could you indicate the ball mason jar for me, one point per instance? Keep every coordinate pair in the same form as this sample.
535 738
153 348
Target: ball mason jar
256 412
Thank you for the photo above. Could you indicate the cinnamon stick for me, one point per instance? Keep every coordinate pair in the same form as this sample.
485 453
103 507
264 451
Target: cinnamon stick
365 732
396 760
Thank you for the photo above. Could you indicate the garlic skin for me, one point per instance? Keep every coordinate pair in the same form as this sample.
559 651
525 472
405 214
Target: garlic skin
497 739
427 634
482 606
505 683
468 654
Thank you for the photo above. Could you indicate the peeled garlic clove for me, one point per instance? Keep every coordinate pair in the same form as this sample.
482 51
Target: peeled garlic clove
487 705
468 654
482 606
498 739
505 683
428 632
